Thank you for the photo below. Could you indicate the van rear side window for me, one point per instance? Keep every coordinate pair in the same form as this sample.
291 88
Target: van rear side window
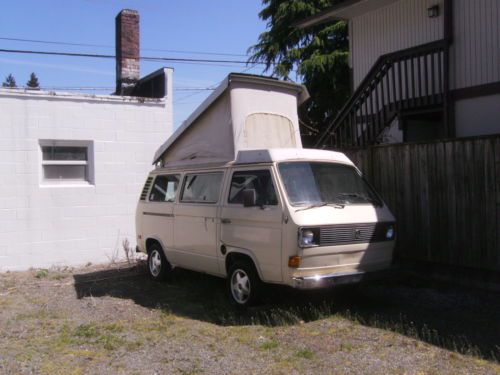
164 188
201 188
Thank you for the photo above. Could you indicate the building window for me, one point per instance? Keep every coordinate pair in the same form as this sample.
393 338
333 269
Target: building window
66 162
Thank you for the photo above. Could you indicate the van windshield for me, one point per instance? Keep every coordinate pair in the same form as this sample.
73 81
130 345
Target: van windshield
320 183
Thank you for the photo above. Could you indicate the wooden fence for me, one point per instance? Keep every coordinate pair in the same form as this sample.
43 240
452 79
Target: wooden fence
445 196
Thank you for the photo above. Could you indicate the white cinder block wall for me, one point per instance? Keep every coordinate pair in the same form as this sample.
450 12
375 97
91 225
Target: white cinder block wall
44 226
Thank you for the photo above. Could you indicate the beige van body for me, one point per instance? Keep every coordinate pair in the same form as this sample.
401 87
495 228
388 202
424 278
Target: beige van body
355 236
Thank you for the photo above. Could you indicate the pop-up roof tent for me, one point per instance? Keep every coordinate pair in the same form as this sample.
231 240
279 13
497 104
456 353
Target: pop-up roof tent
245 112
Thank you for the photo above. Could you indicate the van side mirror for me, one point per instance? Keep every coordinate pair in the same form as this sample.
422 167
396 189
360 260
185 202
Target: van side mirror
249 198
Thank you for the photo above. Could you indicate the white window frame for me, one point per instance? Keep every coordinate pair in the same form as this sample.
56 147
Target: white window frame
89 163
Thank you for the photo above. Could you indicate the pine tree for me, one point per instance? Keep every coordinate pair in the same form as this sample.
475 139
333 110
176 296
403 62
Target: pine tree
318 55
10 81
33 82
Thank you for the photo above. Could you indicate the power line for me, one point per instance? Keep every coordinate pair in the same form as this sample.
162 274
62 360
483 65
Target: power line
109 46
145 58
102 88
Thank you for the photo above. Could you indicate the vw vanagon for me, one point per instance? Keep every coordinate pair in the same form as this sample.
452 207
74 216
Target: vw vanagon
303 218
235 195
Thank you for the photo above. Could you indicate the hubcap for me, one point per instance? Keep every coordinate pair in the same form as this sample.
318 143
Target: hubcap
155 263
240 286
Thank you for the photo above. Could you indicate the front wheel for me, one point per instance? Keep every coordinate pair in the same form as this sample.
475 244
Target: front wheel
158 266
244 284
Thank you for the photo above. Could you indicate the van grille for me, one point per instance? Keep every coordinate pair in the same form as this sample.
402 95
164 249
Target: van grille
353 233
145 189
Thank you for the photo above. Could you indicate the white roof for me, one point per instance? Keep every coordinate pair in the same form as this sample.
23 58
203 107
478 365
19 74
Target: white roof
218 117
290 154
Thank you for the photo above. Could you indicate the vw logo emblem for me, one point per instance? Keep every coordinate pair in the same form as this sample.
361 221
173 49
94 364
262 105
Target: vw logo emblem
357 234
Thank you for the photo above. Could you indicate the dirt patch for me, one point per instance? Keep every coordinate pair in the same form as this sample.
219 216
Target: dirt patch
115 320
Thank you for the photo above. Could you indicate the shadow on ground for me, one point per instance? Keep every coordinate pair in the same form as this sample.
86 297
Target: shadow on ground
455 318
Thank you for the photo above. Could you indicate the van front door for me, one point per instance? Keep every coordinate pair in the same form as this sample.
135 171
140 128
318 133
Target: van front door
195 223
254 230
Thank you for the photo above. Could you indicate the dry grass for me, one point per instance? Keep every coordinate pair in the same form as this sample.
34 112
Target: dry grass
108 321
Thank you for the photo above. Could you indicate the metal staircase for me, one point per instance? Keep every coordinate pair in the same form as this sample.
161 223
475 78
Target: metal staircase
409 79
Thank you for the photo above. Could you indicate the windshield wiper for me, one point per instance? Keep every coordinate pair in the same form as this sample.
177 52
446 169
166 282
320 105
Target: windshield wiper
322 204
361 196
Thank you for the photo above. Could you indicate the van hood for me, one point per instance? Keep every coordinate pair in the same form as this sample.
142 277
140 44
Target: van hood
331 215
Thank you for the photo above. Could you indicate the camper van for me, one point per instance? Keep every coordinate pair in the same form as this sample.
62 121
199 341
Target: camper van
235 195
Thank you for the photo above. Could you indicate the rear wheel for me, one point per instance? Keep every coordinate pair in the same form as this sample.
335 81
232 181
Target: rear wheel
158 266
244 285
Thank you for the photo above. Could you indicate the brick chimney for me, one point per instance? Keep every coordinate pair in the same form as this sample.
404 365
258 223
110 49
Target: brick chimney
127 51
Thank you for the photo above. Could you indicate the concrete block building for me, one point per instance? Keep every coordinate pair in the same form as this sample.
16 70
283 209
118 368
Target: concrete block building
72 165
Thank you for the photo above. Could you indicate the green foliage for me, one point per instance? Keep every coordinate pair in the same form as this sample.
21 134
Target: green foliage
10 81
42 273
33 83
305 353
318 55
268 345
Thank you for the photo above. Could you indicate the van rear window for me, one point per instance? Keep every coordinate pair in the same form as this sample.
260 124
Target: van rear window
164 189
201 188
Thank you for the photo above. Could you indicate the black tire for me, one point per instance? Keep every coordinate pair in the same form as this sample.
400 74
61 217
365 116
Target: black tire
244 286
158 266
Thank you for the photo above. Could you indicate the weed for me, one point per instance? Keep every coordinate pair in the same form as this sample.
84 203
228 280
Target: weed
128 250
42 273
268 345
58 276
88 334
5 301
346 347
305 353
86 330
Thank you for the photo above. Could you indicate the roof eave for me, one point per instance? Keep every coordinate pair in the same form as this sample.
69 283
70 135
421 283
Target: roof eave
345 10
330 14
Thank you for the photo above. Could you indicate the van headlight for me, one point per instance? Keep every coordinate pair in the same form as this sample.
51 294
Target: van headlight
390 232
308 237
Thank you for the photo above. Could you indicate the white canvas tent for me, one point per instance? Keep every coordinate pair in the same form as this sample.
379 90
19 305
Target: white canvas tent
245 112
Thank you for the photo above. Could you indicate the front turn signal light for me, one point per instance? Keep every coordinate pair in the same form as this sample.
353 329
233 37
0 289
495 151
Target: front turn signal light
294 262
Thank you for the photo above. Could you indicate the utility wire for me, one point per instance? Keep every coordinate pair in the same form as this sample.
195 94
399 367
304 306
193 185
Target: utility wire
90 88
109 46
96 55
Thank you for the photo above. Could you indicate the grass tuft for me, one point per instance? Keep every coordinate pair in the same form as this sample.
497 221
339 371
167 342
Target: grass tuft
42 273
305 353
268 345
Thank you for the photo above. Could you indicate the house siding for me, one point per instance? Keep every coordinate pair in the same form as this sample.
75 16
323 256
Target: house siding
476 43
398 26
44 226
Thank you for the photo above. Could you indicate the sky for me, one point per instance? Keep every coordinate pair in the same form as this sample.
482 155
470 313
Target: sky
216 29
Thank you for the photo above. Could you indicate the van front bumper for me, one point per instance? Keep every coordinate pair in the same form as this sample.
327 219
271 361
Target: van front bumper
329 280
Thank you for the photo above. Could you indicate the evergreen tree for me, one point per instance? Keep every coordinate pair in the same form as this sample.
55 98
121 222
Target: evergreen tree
318 54
33 82
10 81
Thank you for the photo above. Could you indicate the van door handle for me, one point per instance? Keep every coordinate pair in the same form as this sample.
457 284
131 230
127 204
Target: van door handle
225 221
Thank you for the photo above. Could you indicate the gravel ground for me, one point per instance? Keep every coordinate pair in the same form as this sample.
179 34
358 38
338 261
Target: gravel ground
113 319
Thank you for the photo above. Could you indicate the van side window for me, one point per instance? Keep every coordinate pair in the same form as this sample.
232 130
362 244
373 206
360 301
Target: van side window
201 188
164 188
260 181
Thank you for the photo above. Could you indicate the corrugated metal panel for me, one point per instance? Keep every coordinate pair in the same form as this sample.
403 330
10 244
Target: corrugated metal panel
395 27
476 44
